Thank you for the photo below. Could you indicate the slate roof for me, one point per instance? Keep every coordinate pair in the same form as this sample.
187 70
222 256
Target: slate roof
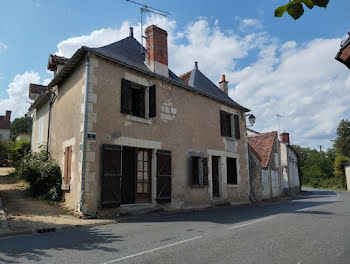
55 60
262 144
130 53
200 82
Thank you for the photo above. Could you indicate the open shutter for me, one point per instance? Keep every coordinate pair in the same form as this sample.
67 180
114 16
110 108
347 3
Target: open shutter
111 176
205 170
237 130
126 97
163 176
222 123
152 101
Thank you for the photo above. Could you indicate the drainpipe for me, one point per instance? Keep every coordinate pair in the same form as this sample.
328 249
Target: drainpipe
52 100
84 136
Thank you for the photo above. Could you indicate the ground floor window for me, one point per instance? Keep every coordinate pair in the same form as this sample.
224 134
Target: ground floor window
199 171
232 171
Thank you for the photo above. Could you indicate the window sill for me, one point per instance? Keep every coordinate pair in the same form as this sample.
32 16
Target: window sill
140 119
232 185
231 138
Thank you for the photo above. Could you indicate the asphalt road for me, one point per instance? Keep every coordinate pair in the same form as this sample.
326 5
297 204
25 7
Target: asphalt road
309 229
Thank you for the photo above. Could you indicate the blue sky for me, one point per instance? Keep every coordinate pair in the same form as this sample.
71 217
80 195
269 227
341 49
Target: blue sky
264 57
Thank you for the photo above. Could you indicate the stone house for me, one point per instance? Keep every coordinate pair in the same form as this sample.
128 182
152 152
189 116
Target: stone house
125 129
265 165
343 54
289 163
5 125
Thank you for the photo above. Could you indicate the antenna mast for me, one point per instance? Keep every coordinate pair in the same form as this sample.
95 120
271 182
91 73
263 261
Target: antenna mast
149 9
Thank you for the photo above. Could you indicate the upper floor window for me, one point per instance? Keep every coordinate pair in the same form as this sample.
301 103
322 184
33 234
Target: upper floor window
229 125
138 100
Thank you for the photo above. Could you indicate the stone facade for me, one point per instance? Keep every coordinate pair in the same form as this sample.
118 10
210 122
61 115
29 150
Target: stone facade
289 163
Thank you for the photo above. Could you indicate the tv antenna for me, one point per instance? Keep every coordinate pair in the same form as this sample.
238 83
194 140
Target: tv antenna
278 120
148 9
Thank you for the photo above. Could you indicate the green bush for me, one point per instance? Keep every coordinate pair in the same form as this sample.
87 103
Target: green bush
43 176
17 150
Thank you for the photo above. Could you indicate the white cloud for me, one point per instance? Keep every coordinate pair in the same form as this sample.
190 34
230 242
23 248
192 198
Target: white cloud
2 47
17 91
300 81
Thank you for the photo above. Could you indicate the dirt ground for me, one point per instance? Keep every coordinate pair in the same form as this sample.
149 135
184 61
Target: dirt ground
26 213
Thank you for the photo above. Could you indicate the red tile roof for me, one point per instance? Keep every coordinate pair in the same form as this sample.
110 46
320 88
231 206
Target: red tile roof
262 144
186 76
55 60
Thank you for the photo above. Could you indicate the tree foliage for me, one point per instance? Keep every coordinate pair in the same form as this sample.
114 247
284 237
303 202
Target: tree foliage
342 142
295 8
21 125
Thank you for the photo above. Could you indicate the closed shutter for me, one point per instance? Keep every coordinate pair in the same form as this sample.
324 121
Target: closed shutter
237 130
111 176
152 101
67 165
222 123
163 176
205 170
126 98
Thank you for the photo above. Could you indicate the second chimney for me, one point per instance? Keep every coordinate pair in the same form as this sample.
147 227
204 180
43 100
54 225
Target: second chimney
224 84
8 115
285 138
157 50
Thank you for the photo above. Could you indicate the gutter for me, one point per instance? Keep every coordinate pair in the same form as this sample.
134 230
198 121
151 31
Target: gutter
81 209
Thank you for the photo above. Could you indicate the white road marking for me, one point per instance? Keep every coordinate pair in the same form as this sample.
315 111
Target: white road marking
253 222
152 250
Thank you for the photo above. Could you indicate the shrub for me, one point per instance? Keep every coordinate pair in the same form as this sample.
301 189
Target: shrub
17 151
339 172
43 175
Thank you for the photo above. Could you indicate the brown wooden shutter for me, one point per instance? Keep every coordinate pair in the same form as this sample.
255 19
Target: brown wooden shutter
111 175
152 101
205 170
237 130
126 98
67 165
163 176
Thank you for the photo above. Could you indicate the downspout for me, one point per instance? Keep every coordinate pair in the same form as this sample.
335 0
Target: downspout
84 135
49 121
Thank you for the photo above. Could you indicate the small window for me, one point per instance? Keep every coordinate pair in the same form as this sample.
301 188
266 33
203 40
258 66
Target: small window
229 125
232 171
138 100
199 171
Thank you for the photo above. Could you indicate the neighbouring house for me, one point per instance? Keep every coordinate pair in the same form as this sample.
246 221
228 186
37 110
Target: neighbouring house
344 53
40 115
289 163
23 136
5 126
347 175
251 132
265 165
125 129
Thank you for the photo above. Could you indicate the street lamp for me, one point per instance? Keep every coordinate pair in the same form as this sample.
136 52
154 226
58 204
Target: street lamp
251 119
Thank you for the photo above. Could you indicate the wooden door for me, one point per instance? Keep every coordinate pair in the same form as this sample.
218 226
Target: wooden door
143 175
215 175
111 175
128 178
163 176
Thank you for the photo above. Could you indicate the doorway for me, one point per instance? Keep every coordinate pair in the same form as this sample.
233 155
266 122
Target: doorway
215 176
136 175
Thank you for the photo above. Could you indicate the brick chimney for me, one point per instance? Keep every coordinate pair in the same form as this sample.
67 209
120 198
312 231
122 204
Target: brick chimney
285 138
157 50
8 115
224 84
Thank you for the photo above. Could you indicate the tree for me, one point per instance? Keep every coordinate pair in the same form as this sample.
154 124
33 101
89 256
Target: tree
342 142
339 172
295 8
21 125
